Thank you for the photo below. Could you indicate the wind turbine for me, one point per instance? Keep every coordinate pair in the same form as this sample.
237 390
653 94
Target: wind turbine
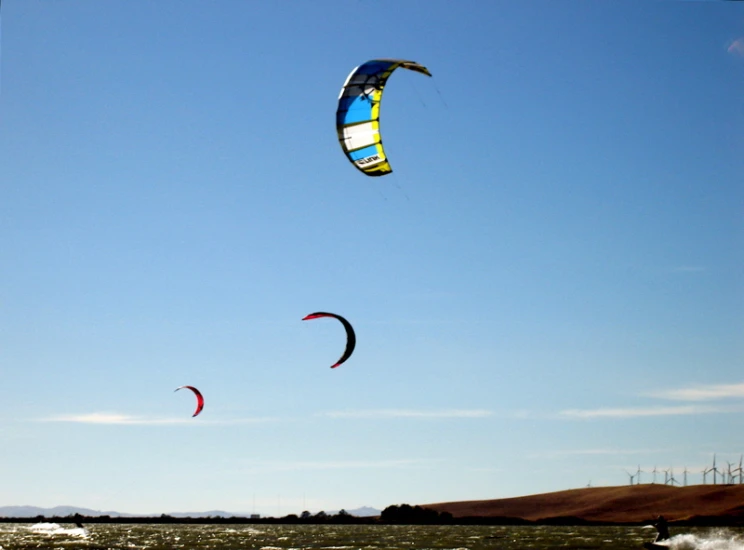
666 476
631 476
714 469
672 480
706 471
685 476
638 475
654 472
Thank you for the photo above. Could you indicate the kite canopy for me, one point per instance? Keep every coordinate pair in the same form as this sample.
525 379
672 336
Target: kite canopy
199 398
350 336
358 113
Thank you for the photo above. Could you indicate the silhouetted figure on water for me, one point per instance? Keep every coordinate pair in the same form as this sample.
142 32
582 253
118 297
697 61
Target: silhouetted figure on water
662 529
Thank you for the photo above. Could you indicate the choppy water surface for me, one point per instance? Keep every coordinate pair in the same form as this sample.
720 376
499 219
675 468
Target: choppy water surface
14 536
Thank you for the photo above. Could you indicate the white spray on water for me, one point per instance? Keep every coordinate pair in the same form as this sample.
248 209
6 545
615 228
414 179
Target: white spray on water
714 540
52 529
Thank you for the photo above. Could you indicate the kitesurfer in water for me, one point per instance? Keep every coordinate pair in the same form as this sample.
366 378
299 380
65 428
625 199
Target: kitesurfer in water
662 529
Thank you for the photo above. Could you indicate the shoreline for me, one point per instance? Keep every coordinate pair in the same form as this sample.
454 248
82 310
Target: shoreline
706 521
634 505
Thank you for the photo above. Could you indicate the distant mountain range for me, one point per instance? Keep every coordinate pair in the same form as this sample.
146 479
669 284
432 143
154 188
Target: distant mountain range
64 511
57 511
363 512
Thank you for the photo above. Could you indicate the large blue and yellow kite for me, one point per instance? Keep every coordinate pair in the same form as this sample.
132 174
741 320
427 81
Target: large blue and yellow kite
358 113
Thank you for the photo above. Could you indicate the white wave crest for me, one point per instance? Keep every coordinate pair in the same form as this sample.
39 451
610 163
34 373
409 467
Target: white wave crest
717 540
53 529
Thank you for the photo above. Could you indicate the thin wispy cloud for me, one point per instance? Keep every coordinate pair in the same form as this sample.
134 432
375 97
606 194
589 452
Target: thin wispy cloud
103 418
594 452
638 412
698 393
408 413
305 465
708 392
110 418
737 47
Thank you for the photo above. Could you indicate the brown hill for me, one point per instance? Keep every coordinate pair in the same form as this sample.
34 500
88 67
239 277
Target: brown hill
626 504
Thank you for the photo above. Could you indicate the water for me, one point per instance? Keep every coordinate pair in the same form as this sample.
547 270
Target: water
15 536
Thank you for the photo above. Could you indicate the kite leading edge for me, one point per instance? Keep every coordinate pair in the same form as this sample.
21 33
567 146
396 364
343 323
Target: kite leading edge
199 398
350 336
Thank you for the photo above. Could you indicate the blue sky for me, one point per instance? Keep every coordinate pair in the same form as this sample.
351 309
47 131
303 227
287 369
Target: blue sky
547 290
